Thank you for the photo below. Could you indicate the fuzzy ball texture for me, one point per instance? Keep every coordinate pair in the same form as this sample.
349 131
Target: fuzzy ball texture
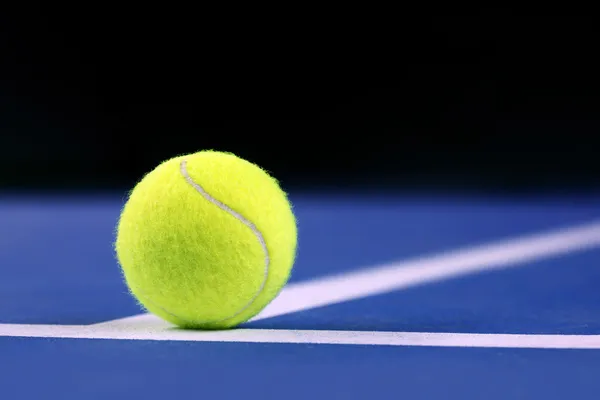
206 240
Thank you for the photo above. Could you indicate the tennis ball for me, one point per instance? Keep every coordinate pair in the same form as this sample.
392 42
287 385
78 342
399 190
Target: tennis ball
206 240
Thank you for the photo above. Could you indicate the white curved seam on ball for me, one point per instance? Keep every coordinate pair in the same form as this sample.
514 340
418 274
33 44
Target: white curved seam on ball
243 220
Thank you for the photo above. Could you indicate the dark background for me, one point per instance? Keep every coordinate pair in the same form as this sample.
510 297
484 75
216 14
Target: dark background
92 98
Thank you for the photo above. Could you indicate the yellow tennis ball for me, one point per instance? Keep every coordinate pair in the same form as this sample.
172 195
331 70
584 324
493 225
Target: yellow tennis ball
206 240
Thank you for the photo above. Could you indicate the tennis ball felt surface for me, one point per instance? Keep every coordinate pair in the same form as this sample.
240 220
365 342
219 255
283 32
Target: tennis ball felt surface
206 240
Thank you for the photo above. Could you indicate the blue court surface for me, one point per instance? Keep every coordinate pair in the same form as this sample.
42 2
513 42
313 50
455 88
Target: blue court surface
391 298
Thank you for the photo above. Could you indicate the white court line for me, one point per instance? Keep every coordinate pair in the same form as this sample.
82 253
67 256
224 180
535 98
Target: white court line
400 275
423 339
354 285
